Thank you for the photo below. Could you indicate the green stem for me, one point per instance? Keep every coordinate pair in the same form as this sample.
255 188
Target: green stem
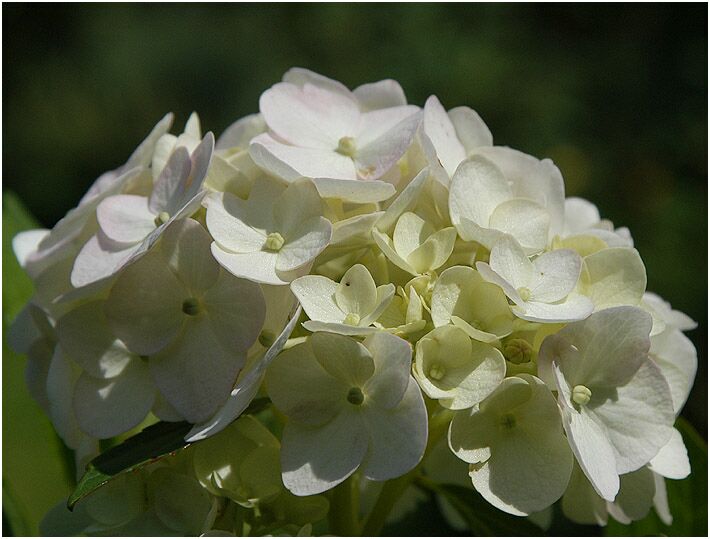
345 508
392 490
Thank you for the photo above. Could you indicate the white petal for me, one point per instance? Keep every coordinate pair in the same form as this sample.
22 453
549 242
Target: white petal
315 459
614 276
85 336
660 501
379 95
440 130
356 292
317 295
404 202
392 357
373 160
240 133
511 263
291 162
635 496
309 116
677 358
300 76
125 218
195 373
228 222
434 252
477 188
61 380
345 359
672 460
385 293
259 266
100 258
573 308
492 277
290 381
638 417
398 436
236 310
387 247
525 220
107 408
27 242
144 308
186 248
580 215
298 203
376 123
357 191
556 275
339 328
604 350
168 186
304 244
589 442
144 152
470 128
410 233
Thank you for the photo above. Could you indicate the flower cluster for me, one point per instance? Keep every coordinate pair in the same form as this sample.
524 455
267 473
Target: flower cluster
447 288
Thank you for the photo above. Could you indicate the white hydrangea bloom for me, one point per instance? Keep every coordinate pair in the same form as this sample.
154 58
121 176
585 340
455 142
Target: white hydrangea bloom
458 372
519 458
272 236
129 225
615 403
320 130
542 289
416 246
463 298
348 307
349 406
194 321
487 201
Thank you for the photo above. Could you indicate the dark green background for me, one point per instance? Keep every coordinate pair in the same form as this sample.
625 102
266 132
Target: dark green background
615 94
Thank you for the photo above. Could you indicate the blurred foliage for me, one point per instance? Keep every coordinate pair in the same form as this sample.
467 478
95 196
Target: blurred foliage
615 94
34 473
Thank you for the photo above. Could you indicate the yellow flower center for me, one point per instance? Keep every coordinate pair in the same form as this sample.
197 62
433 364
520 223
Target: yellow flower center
274 242
581 395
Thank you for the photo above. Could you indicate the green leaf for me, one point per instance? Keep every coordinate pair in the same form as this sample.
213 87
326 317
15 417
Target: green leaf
687 498
35 475
483 519
151 444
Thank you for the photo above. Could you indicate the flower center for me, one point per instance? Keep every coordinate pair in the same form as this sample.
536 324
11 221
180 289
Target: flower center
162 218
437 372
524 293
581 395
191 306
346 146
274 242
355 396
518 351
352 319
508 421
